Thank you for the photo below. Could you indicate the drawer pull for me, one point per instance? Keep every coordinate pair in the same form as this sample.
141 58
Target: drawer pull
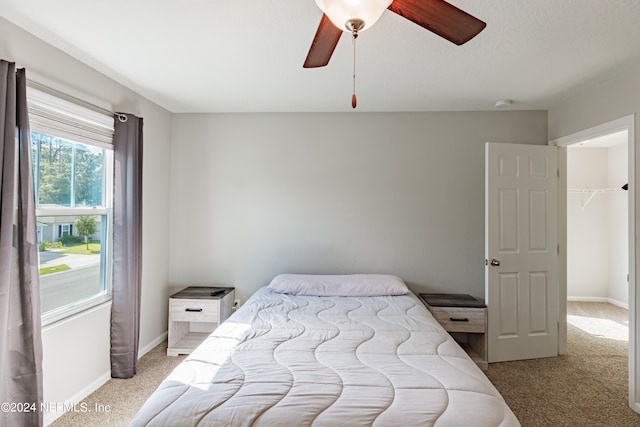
457 319
196 310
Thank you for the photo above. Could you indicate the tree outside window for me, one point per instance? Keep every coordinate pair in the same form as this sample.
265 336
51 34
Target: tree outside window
85 227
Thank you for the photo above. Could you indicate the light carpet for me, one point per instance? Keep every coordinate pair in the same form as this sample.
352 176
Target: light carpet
586 387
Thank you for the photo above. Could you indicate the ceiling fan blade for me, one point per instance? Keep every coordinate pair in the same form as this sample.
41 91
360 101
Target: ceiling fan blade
440 17
323 44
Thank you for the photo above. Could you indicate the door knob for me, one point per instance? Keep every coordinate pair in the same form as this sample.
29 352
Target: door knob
495 262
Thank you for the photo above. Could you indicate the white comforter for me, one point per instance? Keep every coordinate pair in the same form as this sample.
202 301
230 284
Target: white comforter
327 361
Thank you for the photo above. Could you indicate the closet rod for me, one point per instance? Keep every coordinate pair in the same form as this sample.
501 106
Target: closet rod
51 91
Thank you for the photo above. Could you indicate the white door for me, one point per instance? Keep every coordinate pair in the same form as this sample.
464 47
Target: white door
521 251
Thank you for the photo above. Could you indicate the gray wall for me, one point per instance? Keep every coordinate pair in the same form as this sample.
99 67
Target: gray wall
255 195
605 100
76 350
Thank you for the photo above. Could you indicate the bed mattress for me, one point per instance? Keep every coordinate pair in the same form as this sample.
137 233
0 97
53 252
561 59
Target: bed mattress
286 360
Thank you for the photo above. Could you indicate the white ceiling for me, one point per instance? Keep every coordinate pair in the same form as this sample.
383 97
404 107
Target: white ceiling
247 55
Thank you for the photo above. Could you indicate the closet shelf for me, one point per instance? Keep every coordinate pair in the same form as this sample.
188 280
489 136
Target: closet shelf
593 192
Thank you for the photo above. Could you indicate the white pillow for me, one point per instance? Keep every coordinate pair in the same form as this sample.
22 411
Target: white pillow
350 285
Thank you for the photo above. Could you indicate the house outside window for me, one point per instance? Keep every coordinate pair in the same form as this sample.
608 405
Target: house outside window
72 155
65 230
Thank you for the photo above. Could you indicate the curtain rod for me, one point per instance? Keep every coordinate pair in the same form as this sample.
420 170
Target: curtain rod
122 117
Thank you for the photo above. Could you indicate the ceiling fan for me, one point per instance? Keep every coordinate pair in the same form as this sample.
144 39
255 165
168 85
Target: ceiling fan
354 16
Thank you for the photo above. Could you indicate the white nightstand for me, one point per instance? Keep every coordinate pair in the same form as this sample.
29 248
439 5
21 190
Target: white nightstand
465 318
194 313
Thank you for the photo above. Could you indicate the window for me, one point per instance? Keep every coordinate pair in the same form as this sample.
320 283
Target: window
72 157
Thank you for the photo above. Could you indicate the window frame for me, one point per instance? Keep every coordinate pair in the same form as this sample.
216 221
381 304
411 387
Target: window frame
76 126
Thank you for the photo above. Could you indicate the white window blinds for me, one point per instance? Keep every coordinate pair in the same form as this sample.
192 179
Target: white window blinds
52 115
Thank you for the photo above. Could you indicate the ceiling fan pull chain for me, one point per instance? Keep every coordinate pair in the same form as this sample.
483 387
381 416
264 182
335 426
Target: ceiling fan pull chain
354 101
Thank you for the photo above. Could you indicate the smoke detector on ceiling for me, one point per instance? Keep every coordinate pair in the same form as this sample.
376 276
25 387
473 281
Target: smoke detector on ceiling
502 103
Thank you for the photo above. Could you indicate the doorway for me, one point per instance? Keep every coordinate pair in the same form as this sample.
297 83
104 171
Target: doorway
597 220
625 124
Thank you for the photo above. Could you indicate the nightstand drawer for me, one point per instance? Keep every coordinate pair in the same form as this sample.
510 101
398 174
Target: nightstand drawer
194 310
460 319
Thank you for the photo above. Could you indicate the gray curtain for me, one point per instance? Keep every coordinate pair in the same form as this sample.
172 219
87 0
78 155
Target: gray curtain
127 245
20 334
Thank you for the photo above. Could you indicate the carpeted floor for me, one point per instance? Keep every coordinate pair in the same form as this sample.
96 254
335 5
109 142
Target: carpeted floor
123 398
587 387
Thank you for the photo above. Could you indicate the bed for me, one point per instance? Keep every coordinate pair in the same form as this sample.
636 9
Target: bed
360 359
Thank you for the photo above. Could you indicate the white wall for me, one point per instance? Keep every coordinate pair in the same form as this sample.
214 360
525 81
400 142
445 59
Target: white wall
597 236
76 358
587 231
255 195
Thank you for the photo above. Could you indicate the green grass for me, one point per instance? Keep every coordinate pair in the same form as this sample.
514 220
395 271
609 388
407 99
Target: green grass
81 249
54 269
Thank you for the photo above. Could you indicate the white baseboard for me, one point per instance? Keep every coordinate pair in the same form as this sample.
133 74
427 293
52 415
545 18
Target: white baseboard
50 417
600 299
147 348
618 303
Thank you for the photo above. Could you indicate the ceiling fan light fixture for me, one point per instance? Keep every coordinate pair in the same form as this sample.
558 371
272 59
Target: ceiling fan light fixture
340 12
